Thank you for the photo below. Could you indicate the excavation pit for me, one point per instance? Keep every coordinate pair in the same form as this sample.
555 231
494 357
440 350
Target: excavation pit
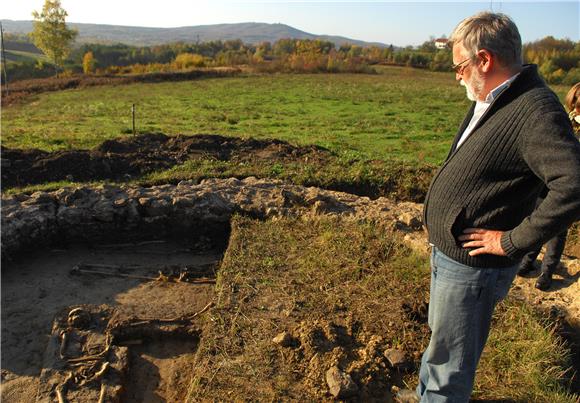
279 315
106 246
146 294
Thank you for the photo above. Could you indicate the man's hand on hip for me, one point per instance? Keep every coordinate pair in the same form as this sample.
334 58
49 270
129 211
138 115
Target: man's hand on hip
485 241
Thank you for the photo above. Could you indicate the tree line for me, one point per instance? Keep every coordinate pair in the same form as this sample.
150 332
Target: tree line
558 59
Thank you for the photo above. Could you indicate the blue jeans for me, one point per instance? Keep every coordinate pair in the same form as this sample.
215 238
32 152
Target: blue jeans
461 305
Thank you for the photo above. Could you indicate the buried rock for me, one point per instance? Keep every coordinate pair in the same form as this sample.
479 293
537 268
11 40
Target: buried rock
397 359
340 384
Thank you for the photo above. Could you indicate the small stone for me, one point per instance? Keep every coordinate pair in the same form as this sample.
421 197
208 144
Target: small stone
39 198
396 358
339 383
182 202
410 220
284 339
144 201
122 202
185 184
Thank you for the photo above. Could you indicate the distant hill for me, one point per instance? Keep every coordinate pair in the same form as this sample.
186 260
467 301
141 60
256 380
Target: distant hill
249 32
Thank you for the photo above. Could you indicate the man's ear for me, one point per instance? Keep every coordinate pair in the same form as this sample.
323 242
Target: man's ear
486 60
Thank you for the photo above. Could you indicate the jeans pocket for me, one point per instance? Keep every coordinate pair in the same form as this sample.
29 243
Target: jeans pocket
465 283
505 279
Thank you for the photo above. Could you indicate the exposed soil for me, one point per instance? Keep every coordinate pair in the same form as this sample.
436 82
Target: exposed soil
36 289
131 157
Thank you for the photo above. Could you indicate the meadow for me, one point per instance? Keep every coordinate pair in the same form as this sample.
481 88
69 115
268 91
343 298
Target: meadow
402 114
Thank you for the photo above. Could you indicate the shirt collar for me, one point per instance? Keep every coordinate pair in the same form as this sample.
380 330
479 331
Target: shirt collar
497 90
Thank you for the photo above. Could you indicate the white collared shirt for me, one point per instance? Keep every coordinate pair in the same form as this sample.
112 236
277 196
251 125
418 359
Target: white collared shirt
482 106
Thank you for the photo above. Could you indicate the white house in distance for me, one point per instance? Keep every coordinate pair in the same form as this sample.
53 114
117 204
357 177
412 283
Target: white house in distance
441 43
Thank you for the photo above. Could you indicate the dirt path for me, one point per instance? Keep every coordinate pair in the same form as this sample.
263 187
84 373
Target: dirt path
34 289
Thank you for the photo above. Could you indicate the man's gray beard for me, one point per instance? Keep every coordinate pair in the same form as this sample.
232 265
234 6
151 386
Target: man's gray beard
476 87
468 92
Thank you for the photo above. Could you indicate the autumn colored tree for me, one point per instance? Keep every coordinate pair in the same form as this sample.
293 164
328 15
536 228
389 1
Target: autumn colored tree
50 33
89 63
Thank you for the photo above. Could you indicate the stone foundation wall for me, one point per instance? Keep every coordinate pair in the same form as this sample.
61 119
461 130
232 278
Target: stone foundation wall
130 213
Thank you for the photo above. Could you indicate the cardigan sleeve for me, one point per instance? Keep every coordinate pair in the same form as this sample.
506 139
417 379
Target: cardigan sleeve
552 153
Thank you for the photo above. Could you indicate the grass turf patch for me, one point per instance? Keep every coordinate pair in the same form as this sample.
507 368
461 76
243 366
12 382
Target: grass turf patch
345 291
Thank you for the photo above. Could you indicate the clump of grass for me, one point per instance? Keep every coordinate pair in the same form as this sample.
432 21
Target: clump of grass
524 359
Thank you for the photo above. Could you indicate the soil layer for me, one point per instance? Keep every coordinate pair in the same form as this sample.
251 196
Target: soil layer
134 156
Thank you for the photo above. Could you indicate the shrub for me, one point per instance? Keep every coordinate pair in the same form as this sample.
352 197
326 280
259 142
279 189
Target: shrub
188 60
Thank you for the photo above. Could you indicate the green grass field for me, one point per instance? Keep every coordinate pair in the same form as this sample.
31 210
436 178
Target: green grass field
18 56
401 113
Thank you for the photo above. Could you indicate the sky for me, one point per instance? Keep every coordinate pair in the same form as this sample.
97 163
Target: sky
391 22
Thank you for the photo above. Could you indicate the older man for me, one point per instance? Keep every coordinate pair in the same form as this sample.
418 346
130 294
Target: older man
515 140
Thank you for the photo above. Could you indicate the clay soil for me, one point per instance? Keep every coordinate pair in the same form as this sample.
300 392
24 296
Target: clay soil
37 287
133 156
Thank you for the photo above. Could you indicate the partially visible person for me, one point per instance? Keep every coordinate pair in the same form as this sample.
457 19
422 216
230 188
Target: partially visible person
555 246
551 260
572 102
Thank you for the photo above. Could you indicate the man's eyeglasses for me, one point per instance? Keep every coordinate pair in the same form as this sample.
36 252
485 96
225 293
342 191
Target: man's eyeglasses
458 68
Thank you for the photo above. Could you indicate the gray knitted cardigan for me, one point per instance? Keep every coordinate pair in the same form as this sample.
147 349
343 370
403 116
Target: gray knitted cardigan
523 143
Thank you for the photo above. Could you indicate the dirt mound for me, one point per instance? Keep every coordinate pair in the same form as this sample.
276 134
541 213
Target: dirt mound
132 157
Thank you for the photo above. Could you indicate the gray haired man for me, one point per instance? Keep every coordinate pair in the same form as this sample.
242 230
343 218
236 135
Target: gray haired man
479 211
